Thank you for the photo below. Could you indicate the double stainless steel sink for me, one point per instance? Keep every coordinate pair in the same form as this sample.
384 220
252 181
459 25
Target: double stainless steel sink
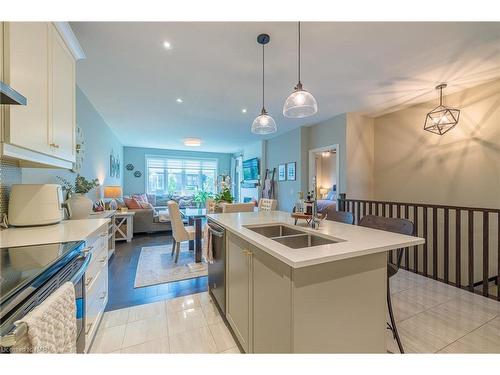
291 237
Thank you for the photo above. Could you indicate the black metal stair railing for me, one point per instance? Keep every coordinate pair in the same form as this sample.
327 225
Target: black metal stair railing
462 243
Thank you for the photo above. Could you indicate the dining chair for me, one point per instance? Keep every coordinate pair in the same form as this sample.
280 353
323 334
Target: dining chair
210 205
180 233
401 226
340 216
238 207
266 204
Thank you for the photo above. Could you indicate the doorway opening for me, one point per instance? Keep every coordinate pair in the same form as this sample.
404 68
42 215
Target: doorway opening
324 166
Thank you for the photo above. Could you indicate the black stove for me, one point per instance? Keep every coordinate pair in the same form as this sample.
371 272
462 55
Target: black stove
28 274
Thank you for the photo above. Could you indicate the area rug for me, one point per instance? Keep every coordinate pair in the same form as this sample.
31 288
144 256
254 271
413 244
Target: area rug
156 266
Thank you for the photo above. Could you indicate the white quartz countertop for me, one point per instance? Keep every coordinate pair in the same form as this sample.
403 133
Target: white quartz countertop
65 231
354 240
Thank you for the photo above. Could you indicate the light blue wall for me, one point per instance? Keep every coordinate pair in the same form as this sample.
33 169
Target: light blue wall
100 141
294 146
284 149
137 157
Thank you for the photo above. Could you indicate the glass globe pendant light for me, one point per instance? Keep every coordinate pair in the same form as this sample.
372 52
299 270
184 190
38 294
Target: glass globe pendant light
263 124
300 103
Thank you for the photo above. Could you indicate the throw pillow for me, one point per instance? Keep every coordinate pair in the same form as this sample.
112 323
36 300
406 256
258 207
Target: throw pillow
139 198
330 196
145 205
120 202
151 199
132 204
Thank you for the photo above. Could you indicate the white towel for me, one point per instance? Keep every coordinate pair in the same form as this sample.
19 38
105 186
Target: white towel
52 324
207 245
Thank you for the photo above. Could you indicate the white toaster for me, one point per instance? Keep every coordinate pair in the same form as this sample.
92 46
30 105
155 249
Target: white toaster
35 204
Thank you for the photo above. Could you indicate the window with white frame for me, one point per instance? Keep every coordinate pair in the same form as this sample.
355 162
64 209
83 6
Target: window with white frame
167 175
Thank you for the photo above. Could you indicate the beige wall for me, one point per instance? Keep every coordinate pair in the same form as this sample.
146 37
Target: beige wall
359 155
461 167
326 167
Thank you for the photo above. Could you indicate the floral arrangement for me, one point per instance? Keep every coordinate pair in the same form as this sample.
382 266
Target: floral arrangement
81 185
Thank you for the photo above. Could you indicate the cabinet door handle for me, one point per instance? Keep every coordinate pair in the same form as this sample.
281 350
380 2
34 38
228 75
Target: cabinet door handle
54 145
103 296
103 259
89 327
88 249
89 280
247 252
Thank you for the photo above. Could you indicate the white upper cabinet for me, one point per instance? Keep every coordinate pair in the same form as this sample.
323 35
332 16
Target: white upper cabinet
62 92
39 64
26 70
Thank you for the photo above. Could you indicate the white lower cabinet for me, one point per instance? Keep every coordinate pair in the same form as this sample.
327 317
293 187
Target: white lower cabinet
258 306
96 283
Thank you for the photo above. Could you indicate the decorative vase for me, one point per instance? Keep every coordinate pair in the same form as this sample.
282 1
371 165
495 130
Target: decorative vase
79 206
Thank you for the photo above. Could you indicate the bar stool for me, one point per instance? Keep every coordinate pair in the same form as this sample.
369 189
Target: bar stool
401 226
340 216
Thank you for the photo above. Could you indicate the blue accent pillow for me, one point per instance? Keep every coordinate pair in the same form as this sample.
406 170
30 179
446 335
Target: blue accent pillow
331 196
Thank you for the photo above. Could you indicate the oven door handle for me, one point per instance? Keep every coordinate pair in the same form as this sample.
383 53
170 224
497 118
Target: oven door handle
10 339
77 276
215 232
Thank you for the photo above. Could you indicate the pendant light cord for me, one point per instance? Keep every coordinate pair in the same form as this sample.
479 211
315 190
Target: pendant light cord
263 77
440 96
299 53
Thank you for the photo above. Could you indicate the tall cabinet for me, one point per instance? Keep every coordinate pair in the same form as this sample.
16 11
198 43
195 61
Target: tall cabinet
39 62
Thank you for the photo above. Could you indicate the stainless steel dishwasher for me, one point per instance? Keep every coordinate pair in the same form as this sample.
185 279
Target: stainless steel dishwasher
217 269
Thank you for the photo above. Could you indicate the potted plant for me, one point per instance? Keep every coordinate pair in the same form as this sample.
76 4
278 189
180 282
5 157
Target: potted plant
79 206
200 198
224 196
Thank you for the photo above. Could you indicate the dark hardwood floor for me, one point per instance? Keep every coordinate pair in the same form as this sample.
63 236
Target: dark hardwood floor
122 268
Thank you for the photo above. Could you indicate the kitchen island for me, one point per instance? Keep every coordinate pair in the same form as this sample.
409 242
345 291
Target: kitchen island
292 289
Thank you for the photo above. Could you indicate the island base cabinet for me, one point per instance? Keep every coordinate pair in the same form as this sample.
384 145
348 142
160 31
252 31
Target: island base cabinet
340 307
238 292
335 307
271 304
258 298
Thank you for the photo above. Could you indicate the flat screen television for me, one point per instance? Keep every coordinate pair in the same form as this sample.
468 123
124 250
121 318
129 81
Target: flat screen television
251 169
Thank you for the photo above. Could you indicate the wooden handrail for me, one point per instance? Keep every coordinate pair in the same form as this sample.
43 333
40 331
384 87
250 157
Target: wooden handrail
444 228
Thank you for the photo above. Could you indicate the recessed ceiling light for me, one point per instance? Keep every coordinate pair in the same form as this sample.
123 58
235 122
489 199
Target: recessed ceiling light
167 44
244 110
192 142
179 100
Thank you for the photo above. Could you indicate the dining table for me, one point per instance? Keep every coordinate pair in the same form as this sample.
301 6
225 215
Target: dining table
195 217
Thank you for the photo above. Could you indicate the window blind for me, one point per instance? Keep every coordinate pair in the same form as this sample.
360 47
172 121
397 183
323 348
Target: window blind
186 164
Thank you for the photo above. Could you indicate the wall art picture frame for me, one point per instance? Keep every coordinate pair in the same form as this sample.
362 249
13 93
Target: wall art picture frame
282 172
114 165
291 170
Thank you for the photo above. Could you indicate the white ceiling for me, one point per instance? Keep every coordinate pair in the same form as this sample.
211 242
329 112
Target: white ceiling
216 69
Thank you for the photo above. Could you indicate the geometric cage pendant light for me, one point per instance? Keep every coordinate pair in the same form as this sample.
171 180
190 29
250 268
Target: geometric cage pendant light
263 124
300 103
441 119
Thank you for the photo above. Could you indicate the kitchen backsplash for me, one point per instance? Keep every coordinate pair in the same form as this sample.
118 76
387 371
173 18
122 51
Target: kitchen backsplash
10 173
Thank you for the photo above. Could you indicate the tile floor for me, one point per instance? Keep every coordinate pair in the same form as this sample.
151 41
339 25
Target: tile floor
189 324
432 317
